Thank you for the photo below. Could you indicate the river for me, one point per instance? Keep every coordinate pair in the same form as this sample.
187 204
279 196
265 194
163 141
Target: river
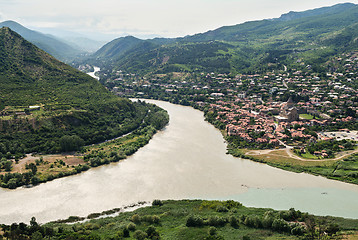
186 160
93 74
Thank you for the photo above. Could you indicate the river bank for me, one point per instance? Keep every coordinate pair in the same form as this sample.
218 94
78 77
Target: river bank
196 219
32 170
186 160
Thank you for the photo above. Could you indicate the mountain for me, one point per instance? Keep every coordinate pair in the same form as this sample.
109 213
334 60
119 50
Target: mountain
65 101
48 43
76 40
315 12
250 46
308 23
83 43
117 47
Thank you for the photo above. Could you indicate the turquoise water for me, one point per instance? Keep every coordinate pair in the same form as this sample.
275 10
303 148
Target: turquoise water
318 201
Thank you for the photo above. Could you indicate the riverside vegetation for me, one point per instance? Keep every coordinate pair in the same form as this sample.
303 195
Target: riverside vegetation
49 107
40 170
189 219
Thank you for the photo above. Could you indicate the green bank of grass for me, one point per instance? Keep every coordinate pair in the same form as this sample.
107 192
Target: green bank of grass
345 170
195 219
306 116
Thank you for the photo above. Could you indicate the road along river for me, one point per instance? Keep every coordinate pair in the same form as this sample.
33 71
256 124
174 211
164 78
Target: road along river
185 160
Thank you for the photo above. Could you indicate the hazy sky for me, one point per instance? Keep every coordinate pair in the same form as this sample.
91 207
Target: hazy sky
147 18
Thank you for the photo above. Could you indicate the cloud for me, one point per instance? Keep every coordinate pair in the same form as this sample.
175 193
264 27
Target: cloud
161 17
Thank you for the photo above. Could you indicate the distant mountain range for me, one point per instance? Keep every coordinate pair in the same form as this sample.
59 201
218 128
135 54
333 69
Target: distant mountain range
52 45
251 46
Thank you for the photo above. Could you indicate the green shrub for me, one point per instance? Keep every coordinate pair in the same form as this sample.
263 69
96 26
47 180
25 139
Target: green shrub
212 231
298 231
157 202
217 221
152 233
222 208
233 222
136 218
194 221
131 226
139 235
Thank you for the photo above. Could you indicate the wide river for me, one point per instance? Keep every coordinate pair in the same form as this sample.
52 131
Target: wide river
186 160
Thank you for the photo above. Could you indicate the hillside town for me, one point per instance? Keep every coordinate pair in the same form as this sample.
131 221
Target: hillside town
277 109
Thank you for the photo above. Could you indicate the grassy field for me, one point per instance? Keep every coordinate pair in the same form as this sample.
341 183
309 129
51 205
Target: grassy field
306 116
345 169
281 157
307 155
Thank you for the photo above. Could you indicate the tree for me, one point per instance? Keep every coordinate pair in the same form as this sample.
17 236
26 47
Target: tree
34 180
139 235
12 184
233 222
8 166
152 233
36 236
33 168
71 143
212 231
194 221
157 202
49 232
280 225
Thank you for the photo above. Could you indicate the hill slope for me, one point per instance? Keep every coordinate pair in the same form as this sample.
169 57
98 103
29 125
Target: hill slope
248 47
49 44
65 102
117 47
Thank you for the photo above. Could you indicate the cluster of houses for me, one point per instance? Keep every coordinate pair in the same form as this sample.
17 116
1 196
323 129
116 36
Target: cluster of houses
251 105
241 119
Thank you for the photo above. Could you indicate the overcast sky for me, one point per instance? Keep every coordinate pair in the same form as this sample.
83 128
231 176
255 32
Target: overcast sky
147 18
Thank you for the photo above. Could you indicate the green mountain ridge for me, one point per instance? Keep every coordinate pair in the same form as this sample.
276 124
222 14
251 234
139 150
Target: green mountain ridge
117 47
247 47
314 12
69 102
48 43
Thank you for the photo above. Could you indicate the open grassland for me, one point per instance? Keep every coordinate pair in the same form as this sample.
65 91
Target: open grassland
343 168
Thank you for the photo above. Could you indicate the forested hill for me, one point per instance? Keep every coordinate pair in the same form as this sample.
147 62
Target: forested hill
30 76
48 43
294 26
251 46
43 100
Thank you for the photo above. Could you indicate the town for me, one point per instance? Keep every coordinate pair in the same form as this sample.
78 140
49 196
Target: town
312 113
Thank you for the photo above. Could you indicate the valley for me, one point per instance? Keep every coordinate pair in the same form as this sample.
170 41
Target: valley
261 114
